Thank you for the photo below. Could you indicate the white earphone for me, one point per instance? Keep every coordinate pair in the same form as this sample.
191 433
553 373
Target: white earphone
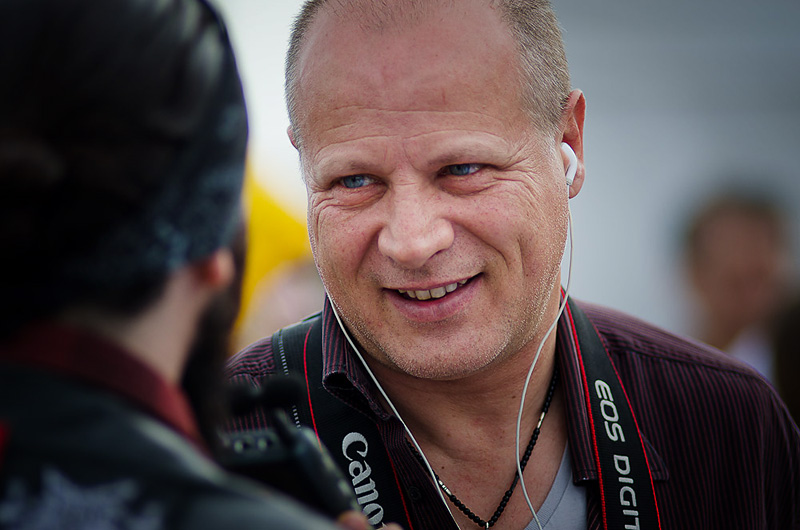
572 167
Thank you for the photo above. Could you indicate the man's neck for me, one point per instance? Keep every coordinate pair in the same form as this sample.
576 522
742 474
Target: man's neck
488 401
467 430
159 336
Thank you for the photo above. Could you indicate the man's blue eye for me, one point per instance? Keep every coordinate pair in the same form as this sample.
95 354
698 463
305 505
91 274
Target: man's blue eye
461 170
355 181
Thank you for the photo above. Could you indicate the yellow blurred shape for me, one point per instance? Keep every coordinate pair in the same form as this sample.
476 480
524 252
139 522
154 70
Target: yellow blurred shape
274 237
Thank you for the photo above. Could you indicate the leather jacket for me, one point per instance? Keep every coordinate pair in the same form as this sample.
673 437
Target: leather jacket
76 456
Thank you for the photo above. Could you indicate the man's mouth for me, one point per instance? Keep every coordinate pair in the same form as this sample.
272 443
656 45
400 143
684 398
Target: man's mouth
438 292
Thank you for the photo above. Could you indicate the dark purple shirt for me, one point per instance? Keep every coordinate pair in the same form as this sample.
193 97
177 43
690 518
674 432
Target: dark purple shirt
723 451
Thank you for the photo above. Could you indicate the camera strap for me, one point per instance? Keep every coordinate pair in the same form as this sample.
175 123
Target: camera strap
354 441
626 484
350 436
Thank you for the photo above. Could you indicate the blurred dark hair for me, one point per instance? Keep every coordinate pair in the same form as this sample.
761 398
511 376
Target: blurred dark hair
97 100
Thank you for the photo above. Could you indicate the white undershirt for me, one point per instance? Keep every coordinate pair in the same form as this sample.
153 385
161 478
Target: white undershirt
565 505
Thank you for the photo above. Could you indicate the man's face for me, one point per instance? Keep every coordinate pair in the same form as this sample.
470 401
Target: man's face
437 211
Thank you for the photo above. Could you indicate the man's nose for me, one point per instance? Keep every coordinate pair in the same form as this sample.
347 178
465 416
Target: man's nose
416 227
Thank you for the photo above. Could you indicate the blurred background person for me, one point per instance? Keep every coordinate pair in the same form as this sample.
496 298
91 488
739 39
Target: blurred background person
738 268
122 145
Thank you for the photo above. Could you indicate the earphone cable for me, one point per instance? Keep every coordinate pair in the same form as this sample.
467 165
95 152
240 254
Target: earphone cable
530 373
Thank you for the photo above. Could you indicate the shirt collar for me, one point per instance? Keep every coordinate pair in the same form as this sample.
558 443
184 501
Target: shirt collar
87 357
342 372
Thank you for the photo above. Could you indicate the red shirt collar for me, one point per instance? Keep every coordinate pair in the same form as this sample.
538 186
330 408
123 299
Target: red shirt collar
89 358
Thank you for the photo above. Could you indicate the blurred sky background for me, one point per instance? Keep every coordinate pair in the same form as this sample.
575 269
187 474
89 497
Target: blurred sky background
684 99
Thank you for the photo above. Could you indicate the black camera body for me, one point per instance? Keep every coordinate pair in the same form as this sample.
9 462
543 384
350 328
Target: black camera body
288 458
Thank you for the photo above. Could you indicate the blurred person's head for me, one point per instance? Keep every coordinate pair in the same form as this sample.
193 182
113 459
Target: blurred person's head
737 258
122 145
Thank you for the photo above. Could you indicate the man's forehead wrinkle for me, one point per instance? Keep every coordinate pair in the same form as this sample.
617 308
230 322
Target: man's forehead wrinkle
338 128
331 157
410 112
471 132
339 158
342 143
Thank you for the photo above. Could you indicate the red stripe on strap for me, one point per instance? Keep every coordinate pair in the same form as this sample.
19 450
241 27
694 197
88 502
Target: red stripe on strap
641 442
308 386
591 418
4 435
399 488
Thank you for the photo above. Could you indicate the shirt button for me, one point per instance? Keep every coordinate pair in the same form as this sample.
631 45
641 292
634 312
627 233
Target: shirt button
414 494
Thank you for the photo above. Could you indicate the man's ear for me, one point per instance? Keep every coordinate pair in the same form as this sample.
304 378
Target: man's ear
215 271
290 132
572 133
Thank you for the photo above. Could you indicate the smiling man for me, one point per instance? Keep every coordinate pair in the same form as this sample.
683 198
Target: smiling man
440 143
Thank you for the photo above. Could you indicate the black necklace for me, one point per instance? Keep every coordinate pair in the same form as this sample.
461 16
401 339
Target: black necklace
522 463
